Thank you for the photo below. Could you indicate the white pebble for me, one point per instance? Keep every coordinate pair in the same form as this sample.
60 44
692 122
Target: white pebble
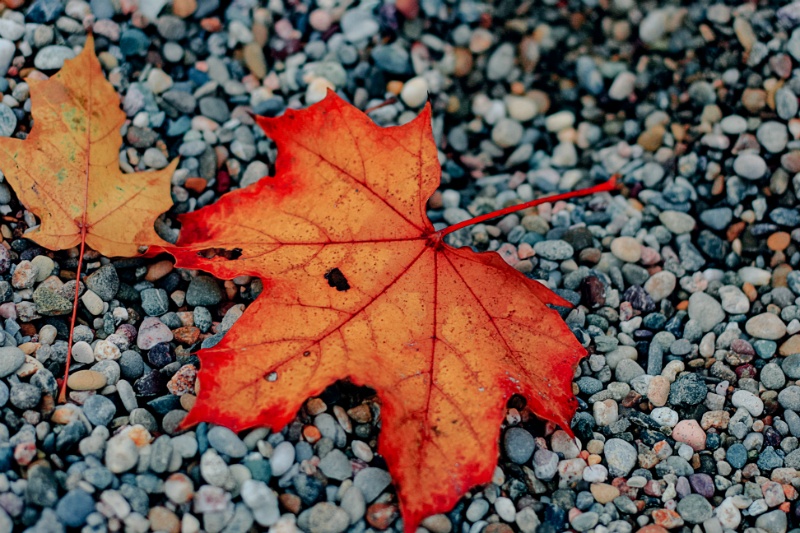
415 92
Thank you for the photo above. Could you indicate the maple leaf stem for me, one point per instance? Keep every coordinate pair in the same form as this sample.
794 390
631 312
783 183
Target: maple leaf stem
608 186
378 106
62 396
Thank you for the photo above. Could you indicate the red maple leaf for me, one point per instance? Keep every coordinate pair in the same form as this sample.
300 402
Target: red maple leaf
359 285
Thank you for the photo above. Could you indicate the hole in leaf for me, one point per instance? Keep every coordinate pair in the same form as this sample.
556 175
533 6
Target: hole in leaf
271 377
212 253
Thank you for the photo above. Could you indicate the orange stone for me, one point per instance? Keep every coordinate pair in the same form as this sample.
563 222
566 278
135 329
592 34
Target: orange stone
158 270
139 435
315 406
394 87
212 24
463 62
360 413
197 185
186 334
184 8
667 518
290 502
780 273
779 241
750 291
162 519
311 434
381 515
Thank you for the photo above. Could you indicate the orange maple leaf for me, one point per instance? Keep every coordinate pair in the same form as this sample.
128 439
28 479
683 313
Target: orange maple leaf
359 285
67 171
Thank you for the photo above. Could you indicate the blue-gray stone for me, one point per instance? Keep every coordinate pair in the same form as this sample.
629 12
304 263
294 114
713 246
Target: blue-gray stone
74 507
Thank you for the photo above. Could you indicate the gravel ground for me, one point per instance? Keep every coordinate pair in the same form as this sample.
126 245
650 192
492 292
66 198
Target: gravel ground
685 289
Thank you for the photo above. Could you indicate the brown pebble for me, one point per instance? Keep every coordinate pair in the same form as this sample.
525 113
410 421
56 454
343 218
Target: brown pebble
162 519
186 334
651 138
779 240
791 161
360 413
86 380
463 62
603 492
781 65
315 406
437 523
290 502
158 270
381 515
589 255
188 401
791 346
498 528
435 201
754 100
255 60
184 8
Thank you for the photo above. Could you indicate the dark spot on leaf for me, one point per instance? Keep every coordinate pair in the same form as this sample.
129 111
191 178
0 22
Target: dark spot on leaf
337 280
306 353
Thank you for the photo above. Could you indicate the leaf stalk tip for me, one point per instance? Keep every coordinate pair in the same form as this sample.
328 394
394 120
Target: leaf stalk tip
607 186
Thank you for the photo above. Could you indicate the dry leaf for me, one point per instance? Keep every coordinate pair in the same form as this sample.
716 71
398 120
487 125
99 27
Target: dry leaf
358 285
67 171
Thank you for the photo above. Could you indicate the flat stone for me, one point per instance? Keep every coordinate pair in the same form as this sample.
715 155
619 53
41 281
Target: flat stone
52 57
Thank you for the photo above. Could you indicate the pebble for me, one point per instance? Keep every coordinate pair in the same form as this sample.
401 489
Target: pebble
121 454
661 285
553 250
372 482
694 509
11 359
86 380
749 401
690 432
518 445
336 465
507 133
226 442
8 120
626 249
263 503
622 86
705 310
99 410
415 92
766 326
151 332
677 222
282 458
325 517
74 508
52 57
203 291
749 166
621 457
